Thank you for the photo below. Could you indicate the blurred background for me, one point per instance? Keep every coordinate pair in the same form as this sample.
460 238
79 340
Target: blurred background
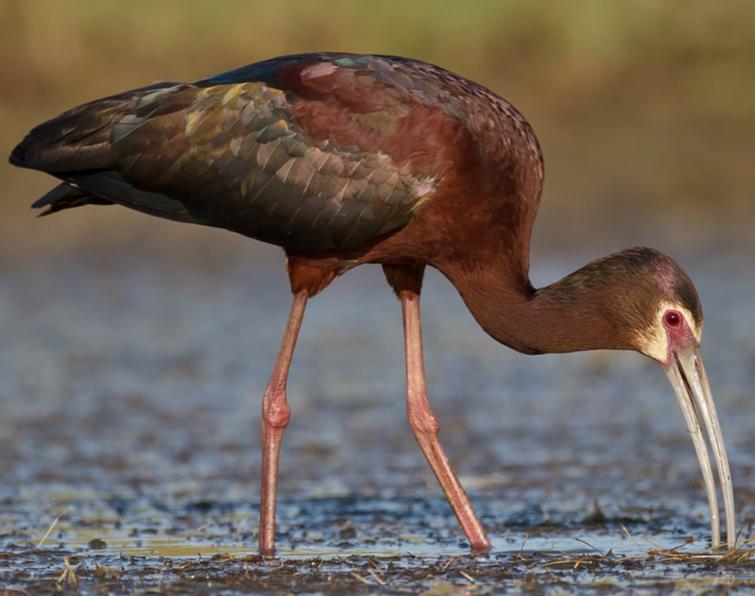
645 109
135 350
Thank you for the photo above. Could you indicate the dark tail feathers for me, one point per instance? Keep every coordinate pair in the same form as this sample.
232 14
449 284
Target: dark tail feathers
79 140
65 196
18 157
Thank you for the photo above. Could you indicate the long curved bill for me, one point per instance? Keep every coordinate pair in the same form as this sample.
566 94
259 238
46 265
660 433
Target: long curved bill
687 376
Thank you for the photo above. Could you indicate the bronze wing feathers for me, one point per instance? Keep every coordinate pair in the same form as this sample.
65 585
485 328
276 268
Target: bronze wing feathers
287 162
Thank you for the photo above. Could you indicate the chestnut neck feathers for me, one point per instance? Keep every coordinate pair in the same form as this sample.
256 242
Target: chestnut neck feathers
602 305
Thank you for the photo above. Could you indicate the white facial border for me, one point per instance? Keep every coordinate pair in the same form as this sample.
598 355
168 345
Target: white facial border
653 341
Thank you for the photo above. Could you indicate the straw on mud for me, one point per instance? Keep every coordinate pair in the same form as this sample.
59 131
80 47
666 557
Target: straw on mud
469 577
574 563
361 579
588 544
69 574
448 563
735 555
52 526
378 579
521 548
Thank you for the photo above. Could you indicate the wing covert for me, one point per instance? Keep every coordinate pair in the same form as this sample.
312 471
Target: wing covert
236 156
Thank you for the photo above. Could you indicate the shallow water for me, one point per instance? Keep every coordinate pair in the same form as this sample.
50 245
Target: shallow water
129 403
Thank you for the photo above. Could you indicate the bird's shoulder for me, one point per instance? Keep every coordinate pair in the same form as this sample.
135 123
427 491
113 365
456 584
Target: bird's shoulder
312 152
394 106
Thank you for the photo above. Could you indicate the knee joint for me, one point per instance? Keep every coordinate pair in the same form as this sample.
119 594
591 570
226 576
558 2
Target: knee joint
275 411
423 422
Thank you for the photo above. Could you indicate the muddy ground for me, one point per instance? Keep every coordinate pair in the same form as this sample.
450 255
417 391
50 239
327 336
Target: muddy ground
129 411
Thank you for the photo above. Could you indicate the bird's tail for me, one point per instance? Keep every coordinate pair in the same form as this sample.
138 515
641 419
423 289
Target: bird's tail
65 196
77 147
63 147
77 140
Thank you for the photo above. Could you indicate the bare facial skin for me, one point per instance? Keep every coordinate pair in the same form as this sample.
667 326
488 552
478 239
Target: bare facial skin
654 341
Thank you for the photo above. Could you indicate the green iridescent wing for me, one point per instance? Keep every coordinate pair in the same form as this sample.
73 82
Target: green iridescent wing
229 155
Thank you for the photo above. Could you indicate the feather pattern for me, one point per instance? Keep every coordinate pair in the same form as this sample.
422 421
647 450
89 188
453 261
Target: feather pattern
312 152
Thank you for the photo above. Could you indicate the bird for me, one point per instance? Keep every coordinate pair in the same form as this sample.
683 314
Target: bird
349 159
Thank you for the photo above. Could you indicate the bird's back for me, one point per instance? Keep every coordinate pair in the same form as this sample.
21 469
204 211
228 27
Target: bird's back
314 152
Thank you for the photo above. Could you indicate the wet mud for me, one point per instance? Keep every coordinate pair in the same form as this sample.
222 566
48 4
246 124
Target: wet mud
129 433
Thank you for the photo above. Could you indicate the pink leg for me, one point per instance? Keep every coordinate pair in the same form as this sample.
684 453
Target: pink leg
426 428
275 416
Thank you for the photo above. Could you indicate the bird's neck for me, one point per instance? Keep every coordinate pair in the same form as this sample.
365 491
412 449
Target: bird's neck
561 317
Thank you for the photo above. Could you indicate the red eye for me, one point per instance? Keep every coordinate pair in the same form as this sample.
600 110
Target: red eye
672 318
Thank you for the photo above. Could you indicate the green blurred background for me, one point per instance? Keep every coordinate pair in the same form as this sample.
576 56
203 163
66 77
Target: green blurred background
645 109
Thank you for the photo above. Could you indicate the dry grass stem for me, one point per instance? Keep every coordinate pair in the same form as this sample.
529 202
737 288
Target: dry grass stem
364 580
52 527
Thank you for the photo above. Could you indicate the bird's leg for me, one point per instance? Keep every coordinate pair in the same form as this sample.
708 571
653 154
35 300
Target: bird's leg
426 428
275 416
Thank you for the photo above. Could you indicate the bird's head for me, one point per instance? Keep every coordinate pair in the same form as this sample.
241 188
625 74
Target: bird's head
637 299
657 305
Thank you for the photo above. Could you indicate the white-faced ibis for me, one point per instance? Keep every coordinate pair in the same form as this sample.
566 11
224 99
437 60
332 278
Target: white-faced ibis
346 159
